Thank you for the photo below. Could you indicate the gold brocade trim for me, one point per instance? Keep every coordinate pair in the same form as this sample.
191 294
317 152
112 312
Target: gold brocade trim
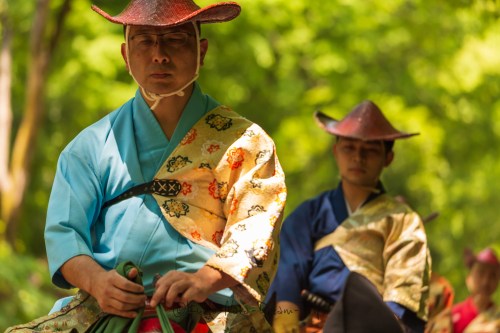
232 197
385 241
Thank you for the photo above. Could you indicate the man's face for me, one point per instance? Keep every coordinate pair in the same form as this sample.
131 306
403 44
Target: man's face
161 59
483 279
361 162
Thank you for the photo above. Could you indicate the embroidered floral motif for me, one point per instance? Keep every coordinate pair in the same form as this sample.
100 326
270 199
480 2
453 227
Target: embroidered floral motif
80 314
244 272
175 208
176 163
241 227
228 250
220 123
189 137
263 282
259 252
262 156
186 188
234 206
218 190
235 158
210 147
196 235
256 183
205 165
256 209
250 133
217 236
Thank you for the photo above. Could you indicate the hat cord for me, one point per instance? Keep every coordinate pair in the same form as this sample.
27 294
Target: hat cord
156 98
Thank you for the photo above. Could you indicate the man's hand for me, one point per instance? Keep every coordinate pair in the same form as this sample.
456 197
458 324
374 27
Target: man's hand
182 288
286 318
114 293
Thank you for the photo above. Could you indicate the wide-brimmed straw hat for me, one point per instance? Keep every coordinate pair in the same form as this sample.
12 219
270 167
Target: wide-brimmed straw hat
164 13
365 122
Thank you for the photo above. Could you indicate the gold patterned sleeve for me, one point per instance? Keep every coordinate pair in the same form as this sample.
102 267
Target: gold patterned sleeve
256 193
407 263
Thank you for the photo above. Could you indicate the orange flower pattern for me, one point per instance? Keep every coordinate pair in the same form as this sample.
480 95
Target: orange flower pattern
218 190
190 137
217 236
186 188
196 235
235 158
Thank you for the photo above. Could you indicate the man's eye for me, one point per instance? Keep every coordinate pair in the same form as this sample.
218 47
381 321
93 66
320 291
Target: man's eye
144 40
176 39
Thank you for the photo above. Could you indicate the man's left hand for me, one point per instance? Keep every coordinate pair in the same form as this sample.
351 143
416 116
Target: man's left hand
182 288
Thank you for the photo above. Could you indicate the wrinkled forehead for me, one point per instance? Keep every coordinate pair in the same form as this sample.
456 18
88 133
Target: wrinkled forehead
148 29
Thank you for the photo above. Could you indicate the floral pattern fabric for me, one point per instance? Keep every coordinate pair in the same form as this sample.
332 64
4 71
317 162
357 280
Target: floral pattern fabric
232 198
385 241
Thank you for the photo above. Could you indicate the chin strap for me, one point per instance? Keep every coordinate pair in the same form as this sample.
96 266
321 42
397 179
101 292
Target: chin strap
156 98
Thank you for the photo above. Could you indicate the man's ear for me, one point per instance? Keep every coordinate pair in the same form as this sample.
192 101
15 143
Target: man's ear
389 157
203 50
124 55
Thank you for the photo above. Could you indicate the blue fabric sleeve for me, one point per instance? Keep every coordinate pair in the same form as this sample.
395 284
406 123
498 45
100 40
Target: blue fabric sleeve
300 267
73 207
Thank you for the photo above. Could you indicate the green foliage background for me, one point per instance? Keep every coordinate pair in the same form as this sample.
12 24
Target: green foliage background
432 66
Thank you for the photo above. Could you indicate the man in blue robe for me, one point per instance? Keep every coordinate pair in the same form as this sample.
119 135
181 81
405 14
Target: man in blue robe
354 227
183 187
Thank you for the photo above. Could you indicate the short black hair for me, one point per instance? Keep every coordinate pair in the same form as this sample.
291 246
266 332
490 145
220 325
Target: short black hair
388 145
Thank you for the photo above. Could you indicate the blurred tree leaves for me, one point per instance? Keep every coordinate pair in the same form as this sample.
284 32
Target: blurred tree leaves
432 66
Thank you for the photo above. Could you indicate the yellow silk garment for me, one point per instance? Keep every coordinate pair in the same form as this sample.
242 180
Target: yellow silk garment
232 197
385 241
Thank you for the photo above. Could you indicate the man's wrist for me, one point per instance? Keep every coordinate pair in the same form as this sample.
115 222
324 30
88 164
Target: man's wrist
215 278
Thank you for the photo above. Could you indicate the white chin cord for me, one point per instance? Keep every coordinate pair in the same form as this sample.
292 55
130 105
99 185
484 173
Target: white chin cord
156 98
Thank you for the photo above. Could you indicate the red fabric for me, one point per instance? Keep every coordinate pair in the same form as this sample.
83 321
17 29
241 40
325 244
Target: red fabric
201 328
153 325
462 314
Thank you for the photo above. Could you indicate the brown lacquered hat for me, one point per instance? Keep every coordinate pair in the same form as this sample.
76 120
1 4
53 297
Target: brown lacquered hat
166 13
365 122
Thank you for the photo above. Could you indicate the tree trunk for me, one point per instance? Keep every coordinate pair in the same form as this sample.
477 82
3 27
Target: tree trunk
5 110
24 146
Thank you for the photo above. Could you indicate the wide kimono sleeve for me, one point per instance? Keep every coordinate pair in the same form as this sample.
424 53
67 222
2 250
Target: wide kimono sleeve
407 263
386 242
73 207
300 266
231 198
296 257
256 193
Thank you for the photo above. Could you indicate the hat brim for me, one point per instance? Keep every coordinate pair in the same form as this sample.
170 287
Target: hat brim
329 125
215 13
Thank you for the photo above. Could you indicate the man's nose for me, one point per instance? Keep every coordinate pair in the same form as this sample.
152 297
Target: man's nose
359 155
160 52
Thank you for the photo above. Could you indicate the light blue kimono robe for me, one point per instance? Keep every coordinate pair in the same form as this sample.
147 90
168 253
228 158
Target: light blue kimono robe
123 149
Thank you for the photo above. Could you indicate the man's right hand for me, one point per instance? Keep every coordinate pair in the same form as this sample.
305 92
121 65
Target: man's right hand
114 293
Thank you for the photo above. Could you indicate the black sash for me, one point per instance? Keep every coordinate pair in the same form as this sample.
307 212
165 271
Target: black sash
163 187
